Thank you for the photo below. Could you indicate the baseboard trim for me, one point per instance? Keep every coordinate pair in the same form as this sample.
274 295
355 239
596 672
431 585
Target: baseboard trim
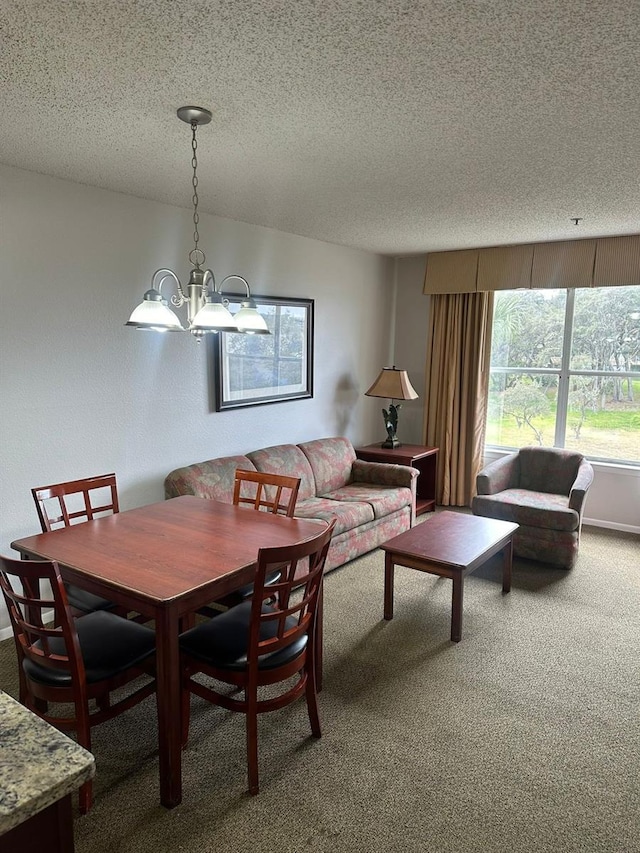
611 525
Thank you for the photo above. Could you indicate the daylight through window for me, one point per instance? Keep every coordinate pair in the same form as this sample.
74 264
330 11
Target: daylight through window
565 371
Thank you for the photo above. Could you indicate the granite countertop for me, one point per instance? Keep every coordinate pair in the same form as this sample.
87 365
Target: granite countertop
38 764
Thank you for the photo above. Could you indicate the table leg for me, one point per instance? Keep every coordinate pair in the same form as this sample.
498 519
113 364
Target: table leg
168 699
456 607
507 562
388 585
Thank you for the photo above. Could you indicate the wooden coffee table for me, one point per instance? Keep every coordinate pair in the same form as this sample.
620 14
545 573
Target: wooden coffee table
452 545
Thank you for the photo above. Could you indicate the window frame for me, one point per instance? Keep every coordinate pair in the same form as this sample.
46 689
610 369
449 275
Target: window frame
564 373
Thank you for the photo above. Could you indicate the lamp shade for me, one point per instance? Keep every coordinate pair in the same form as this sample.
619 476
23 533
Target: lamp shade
214 317
393 384
249 321
154 313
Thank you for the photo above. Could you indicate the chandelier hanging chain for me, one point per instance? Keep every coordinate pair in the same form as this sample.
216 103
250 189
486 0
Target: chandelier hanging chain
196 255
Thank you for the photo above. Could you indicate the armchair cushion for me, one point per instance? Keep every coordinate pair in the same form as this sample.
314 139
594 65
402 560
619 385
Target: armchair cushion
545 469
534 509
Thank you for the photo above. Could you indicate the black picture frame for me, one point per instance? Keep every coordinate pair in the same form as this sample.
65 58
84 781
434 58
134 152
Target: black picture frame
253 370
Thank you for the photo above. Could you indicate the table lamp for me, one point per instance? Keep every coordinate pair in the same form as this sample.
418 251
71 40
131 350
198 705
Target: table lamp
395 385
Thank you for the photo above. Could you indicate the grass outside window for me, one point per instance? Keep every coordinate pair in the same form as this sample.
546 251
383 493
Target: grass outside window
565 371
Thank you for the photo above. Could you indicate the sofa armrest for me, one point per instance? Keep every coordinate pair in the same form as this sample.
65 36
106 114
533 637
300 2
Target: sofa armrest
580 486
383 474
174 487
498 476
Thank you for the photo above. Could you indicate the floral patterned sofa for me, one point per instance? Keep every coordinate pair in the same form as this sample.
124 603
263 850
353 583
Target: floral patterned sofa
543 490
371 501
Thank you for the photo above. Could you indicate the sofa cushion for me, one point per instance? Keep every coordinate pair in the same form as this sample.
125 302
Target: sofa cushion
547 469
383 499
213 479
331 460
286 459
348 514
534 509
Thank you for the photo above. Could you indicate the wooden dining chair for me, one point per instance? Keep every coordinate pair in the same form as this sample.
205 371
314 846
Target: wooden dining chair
265 641
276 493
71 661
266 492
63 504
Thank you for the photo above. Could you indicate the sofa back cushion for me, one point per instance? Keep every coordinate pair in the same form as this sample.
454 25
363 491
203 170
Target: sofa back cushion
286 459
331 461
546 469
212 479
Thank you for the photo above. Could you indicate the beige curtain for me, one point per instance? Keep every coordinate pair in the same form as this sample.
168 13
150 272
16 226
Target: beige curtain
457 381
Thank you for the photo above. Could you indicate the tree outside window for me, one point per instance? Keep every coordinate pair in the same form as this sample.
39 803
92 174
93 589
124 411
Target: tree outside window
565 371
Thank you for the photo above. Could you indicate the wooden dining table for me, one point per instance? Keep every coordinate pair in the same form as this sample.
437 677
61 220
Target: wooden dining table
165 561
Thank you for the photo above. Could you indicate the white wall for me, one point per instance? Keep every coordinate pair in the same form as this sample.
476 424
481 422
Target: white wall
614 498
411 321
82 394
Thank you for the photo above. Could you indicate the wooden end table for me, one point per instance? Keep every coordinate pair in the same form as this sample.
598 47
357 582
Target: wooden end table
451 545
425 459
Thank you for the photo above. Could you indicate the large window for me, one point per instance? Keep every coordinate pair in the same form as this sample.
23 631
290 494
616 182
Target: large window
565 371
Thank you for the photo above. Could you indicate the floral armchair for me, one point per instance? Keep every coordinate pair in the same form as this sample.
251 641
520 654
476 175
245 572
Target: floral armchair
543 490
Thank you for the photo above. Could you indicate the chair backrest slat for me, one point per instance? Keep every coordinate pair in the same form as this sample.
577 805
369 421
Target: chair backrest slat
264 491
39 619
56 504
294 597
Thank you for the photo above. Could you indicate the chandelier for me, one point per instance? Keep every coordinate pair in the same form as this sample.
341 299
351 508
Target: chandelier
207 304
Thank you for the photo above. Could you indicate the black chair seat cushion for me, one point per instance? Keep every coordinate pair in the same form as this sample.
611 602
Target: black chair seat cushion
222 641
247 590
109 645
80 599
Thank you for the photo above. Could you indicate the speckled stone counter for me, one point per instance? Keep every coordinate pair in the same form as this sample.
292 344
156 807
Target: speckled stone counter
39 765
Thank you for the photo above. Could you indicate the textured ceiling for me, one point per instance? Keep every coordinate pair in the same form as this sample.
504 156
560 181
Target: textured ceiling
396 127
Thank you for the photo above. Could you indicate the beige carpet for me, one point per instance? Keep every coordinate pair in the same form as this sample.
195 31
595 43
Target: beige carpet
523 737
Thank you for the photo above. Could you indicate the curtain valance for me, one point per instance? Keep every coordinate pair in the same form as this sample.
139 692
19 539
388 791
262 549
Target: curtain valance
596 262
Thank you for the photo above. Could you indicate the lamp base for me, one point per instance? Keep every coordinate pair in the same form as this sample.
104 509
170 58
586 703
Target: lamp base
390 443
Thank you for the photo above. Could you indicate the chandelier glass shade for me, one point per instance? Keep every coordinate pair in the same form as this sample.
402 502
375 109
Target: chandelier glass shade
207 304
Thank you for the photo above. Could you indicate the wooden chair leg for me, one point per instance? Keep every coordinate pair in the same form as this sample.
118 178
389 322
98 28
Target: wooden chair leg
311 695
252 744
185 710
83 730
104 702
319 639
